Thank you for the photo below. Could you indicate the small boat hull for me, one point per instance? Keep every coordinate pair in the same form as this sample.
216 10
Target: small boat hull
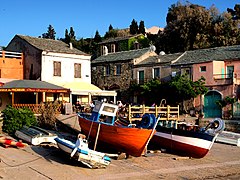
92 159
35 135
131 141
187 143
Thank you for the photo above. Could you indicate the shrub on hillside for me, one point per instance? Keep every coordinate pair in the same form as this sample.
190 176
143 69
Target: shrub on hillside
15 119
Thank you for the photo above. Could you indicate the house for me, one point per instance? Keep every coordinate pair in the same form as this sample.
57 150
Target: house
11 65
124 43
58 63
220 67
114 71
155 67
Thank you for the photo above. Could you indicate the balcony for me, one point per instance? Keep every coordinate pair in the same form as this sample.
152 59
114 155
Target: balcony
222 79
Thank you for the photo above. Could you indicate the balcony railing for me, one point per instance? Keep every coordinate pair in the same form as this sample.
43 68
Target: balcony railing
142 81
223 79
8 54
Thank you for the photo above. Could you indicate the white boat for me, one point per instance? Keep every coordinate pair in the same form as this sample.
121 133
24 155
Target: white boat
35 135
81 152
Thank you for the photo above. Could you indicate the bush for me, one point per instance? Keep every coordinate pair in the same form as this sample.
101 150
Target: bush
15 119
48 112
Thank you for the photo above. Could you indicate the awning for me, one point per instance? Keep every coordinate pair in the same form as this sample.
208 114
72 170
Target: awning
32 86
85 88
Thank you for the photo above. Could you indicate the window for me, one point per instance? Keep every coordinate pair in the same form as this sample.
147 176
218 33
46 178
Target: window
141 77
174 73
203 69
77 70
230 70
107 70
112 50
56 68
117 70
156 72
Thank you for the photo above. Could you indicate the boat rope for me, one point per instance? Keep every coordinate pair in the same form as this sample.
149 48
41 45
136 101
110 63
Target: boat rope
90 131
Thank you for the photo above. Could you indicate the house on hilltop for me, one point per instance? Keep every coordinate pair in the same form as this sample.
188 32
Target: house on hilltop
124 43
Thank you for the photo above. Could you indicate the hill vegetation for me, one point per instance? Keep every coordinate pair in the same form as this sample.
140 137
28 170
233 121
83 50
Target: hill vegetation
189 27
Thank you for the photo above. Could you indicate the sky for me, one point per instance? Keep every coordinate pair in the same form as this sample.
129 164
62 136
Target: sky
32 17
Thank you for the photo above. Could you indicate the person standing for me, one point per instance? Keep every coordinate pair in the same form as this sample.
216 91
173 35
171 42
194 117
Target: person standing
78 106
91 104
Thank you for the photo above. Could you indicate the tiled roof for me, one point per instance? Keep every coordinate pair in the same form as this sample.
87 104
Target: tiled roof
169 57
149 60
31 84
51 45
121 56
211 54
166 58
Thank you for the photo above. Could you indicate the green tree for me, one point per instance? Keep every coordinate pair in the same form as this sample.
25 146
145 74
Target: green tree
225 31
15 119
67 37
134 27
142 27
50 34
184 22
110 27
112 33
185 89
181 87
235 12
97 38
72 35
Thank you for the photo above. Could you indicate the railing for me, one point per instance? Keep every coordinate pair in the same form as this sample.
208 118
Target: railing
142 81
8 54
223 79
166 113
35 108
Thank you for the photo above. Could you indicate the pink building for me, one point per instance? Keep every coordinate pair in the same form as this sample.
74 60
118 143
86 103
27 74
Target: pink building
220 67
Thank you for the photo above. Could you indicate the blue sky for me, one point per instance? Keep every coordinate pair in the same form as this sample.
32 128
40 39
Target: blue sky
32 17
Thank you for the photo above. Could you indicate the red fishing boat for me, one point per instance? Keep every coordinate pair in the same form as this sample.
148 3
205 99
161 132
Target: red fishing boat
104 127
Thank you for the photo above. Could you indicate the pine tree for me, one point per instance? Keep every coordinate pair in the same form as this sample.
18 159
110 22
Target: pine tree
97 37
110 28
142 27
67 37
72 34
50 34
134 27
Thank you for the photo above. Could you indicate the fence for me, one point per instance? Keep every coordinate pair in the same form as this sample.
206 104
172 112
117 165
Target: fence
35 108
166 113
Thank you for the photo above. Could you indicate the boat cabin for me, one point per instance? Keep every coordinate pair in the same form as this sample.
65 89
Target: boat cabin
104 112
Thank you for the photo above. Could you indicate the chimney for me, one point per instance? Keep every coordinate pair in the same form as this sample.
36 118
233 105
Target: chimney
70 45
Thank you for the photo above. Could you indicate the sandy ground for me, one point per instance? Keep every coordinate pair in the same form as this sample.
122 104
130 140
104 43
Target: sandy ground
48 162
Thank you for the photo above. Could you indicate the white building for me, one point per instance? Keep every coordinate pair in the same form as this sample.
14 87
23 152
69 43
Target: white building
58 63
